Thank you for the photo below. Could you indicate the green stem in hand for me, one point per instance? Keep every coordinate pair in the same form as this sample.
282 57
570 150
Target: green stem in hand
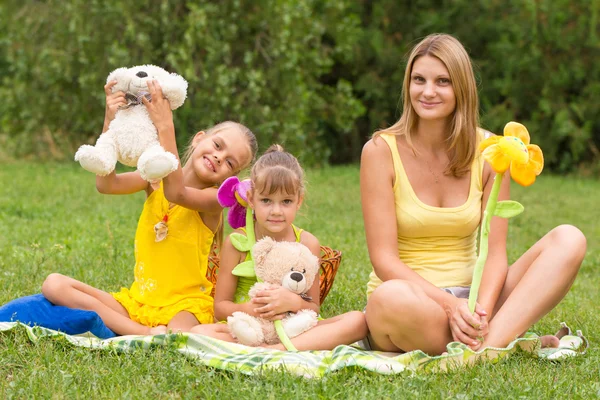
488 213
250 235
285 340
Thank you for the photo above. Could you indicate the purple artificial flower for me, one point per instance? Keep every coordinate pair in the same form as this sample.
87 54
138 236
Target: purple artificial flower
233 193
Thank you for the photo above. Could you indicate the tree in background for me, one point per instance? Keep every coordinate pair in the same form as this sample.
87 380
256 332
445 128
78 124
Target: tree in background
257 62
534 61
318 76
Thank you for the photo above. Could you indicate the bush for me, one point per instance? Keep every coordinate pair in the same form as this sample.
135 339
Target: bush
317 76
534 62
256 62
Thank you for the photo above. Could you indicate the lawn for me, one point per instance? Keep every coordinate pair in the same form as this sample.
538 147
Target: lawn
53 220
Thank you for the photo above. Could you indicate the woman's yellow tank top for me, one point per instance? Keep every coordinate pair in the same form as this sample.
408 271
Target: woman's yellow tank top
438 243
174 268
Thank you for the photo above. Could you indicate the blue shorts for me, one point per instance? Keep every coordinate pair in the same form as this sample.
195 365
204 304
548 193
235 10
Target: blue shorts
462 292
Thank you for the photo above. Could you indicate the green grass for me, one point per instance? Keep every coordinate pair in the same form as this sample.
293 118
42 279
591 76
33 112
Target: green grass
53 220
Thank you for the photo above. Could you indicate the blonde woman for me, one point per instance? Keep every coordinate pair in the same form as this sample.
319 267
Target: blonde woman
423 190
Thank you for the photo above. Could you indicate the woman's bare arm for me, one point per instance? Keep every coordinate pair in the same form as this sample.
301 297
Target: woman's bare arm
379 213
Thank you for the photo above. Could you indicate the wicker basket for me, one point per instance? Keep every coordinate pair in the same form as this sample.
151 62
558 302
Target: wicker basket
330 262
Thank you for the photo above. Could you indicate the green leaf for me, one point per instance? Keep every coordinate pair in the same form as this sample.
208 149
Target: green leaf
240 242
508 209
245 269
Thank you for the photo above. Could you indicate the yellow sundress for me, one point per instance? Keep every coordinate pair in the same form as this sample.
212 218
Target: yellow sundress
170 275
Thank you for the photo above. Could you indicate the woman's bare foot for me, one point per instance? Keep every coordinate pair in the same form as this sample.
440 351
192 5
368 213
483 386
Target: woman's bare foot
549 341
158 330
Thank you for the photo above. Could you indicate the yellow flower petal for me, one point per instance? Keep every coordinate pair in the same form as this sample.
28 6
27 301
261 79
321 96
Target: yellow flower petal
522 173
514 151
488 142
513 148
498 161
536 159
517 130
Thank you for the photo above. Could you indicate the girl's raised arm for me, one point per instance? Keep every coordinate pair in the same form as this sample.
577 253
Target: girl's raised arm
203 200
125 183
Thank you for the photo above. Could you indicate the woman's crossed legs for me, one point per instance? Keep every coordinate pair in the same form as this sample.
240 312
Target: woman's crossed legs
412 320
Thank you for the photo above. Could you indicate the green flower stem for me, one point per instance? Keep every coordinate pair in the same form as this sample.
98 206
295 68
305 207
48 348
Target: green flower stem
285 340
488 213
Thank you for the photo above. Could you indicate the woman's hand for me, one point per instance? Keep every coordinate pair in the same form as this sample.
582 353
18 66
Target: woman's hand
113 102
158 108
465 327
272 304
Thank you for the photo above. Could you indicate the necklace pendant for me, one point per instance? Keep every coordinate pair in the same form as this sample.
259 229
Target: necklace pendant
435 177
161 229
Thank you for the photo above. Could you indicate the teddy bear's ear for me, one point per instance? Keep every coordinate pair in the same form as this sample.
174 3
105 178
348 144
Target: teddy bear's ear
315 264
261 249
122 77
174 88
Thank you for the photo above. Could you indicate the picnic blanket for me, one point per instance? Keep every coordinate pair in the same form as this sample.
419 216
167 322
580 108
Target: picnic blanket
312 364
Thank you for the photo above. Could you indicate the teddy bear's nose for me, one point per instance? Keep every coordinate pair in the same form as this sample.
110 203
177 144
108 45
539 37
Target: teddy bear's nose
297 276
141 74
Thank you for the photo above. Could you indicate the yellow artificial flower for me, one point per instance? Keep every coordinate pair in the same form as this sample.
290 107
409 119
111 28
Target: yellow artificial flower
513 151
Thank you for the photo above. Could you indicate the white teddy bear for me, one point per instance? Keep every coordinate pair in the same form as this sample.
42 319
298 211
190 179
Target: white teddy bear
287 264
132 138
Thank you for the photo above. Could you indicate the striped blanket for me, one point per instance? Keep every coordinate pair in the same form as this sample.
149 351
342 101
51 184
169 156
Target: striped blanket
311 364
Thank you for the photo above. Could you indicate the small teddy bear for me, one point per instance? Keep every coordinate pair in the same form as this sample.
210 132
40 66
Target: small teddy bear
132 138
287 264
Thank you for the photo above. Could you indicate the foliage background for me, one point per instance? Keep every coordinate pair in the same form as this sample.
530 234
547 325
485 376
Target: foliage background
318 76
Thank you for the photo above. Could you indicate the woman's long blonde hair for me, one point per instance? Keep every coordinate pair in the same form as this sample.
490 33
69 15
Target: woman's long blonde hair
462 139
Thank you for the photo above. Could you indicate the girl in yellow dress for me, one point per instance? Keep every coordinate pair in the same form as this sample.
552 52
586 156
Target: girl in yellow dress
175 231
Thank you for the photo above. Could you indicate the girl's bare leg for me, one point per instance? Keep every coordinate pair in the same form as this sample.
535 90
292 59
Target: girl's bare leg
536 283
329 333
217 331
401 317
183 321
64 291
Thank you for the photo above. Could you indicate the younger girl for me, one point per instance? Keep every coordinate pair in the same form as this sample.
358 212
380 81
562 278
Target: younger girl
175 231
276 194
